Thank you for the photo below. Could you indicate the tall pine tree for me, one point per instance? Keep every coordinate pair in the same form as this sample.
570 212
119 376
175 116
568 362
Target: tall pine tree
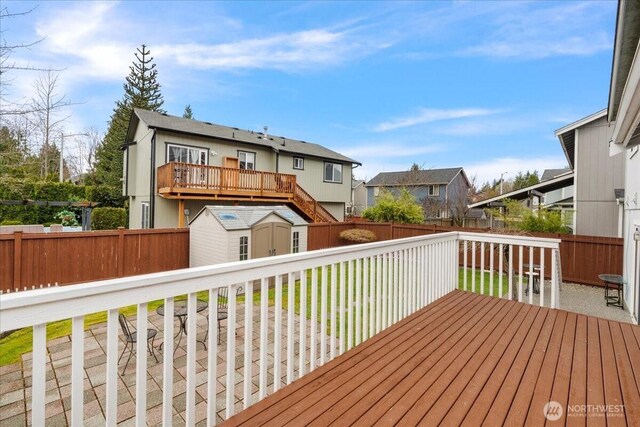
141 90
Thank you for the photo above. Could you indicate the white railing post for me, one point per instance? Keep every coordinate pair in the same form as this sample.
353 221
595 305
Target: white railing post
111 378
39 374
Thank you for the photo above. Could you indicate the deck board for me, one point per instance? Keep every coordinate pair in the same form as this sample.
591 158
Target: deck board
469 359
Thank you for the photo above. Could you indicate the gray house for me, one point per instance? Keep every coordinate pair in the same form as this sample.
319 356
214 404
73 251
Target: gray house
598 178
442 192
175 166
358 197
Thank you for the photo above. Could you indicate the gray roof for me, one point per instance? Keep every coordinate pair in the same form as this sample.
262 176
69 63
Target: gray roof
245 217
552 173
420 177
277 143
356 182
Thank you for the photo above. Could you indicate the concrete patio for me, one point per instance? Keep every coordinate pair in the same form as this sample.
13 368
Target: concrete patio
15 402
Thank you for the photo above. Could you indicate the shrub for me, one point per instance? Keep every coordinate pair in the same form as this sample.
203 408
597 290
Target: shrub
108 218
67 218
11 222
402 209
358 235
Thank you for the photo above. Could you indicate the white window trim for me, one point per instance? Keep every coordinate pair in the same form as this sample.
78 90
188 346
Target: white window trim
189 147
298 167
433 190
324 172
245 161
145 217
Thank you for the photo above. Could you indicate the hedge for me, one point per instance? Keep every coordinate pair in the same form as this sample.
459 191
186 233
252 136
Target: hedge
108 218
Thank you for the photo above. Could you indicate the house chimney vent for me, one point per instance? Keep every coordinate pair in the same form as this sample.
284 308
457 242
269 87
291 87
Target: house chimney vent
266 128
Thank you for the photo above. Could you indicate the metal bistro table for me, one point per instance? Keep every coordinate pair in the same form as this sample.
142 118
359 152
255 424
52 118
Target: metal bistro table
180 311
613 282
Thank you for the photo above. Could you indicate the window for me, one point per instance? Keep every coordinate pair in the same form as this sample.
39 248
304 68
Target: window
145 214
183 154
244 248
296 242
298 163
376 191
247 160
433 190
333 172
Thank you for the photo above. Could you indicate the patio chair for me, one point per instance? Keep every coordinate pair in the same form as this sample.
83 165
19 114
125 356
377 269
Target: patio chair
131 338
223 312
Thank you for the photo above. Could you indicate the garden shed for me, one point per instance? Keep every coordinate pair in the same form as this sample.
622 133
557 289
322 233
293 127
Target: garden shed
235 233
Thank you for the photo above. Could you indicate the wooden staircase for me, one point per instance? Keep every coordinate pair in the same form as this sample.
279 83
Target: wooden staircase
201 182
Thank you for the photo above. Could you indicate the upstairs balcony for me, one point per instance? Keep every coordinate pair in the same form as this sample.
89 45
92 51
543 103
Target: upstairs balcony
193 181
343 320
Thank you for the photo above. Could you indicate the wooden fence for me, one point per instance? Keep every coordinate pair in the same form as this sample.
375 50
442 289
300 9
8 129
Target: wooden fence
40 259
582 257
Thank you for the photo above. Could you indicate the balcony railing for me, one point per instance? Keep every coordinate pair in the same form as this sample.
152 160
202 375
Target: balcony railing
187 179
313 306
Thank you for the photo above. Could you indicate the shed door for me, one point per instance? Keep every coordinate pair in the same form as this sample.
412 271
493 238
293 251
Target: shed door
271 238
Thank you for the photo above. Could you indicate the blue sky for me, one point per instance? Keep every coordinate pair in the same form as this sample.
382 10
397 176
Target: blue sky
481 85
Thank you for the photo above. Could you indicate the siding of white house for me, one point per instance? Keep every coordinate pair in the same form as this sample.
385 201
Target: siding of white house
631 268
598 175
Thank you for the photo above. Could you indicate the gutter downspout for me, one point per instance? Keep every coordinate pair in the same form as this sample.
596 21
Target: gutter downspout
152 181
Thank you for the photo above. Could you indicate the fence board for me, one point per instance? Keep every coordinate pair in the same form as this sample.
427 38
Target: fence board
582 257
67 258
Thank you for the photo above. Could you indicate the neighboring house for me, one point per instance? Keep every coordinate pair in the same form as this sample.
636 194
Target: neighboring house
237 233
560 199
597 175
442 192
590 188
624 116
175 166
358 197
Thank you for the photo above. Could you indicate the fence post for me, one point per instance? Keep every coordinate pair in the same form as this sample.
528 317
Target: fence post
120 261
17 258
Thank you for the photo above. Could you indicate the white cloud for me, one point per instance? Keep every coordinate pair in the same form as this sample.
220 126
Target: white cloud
384 150
285 51
428 115
534 31
491 169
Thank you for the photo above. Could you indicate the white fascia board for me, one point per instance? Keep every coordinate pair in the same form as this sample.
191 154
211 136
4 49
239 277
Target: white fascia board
628 117
578 123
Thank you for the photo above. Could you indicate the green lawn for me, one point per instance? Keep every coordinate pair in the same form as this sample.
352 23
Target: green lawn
20 342
487 277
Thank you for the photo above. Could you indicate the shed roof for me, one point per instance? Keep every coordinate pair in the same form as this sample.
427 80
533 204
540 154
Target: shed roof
419 177
194 127
245 217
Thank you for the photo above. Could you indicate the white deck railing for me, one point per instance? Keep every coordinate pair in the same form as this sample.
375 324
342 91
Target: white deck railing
335 299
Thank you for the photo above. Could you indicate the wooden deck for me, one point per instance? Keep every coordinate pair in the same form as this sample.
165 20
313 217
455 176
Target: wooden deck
471 359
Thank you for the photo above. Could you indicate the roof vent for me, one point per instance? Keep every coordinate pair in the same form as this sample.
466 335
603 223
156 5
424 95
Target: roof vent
266 128
209 123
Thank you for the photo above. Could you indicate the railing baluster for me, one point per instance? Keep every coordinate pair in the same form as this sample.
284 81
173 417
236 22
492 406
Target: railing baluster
541 277
313 322
482 269
520 273
395 285
530 284
500 268
358 307
39 374
277 336
248 344
371 297
230 391
464 265
212 359
365 298
190 410
141 366
554 277
167 369
473 267
379 296
350 325
510 272
303 323
491 251
323 315
264 336
112 368
334 302
342 308
291 294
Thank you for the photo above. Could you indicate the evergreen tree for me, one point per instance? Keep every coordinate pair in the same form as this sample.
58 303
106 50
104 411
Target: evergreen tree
188 114
141 90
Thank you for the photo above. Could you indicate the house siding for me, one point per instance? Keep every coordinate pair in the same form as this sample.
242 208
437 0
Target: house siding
332 196
598 174
631 267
